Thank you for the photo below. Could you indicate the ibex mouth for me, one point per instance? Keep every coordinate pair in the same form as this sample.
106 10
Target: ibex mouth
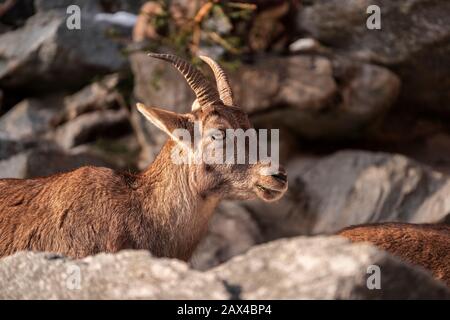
268 194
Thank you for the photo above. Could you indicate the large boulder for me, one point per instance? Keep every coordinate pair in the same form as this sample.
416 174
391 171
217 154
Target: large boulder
89 126
232 231
314 96
39 56
126 275
353 187
298 268
31 117
413 41
10 146
100 95
325 268
44 161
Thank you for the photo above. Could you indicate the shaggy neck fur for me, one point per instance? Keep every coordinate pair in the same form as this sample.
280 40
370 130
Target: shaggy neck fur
183 214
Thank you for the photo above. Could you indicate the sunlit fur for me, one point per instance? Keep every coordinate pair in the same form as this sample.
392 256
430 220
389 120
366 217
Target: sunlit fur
165 209
426 245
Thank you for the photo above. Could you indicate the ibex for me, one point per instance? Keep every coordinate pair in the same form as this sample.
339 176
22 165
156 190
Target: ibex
164 209
426 245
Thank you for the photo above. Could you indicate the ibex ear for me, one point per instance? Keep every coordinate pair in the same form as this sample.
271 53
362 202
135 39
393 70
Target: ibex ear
165 120
195 105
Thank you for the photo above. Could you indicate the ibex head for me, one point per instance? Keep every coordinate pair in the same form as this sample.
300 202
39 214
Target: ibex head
212 121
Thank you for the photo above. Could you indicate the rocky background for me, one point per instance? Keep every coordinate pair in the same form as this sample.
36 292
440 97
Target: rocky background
363 114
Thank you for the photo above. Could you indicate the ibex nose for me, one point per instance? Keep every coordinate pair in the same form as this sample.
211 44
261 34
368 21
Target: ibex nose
280 175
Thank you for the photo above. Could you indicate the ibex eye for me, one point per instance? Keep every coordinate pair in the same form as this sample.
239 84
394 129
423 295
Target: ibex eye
217 136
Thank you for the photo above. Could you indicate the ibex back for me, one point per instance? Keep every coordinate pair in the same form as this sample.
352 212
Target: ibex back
426 245
165 209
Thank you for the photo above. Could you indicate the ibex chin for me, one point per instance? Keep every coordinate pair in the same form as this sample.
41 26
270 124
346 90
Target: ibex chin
164 209
426 245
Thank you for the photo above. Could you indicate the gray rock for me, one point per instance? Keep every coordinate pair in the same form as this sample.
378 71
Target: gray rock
126 275
325 268
122 152
10 146
89 125
40 55
30 118
91 5
45 161
100 95
316 97
413 41
13 14
299 268
232 231
353 187
85 5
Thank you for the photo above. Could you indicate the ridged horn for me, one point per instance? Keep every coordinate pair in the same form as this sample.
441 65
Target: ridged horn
204 91
223 84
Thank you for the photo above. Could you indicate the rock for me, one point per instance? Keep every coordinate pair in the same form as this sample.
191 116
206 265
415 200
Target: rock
325 268
45 161
299 268
85 5
353 187
14 13
88 126
126 275
232 231
307 45
132 6
413 41
10 146
91 6
31 117
316 97
39 56
122 152
100 95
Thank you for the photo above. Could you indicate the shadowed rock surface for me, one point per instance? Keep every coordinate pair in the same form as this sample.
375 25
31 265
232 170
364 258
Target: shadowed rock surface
325 268
232 231
413 41
354 187
126 275
45 161
45 41
300 268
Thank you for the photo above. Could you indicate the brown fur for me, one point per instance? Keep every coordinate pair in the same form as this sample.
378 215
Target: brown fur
165 209
93 210
426 245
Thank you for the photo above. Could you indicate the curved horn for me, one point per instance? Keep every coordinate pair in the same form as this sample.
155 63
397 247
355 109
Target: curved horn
223 84
206 94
